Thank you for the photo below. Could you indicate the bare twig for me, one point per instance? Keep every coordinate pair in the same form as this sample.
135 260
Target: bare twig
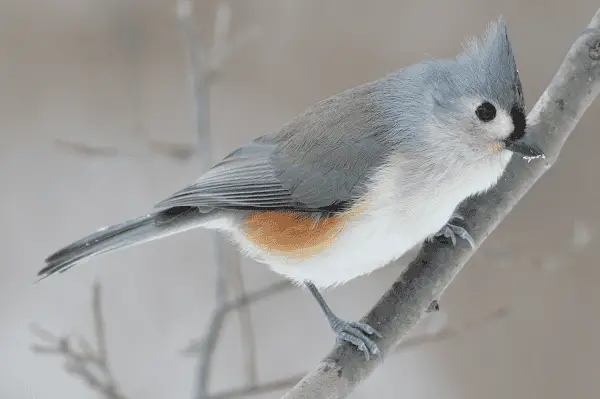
209 343
201 94
99 322
235 276
100 332
107 385
86 149
201 73
223 46
89 365
220 36
236 280
205 65
274 288
574 87
180 151
201 91
196 346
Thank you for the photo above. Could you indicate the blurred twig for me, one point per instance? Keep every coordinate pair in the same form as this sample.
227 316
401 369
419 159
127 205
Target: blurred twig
200 88
82 362
197 346
179 151
234 277
203 67
86 149
236 280
206 66
89 365
209 342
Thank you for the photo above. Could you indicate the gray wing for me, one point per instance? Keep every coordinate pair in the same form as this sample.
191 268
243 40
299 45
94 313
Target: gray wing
320 161
245 179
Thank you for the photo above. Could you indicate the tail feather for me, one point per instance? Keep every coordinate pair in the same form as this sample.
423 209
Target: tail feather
132 232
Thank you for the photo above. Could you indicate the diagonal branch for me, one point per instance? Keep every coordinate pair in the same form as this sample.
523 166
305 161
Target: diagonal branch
441 335
557 112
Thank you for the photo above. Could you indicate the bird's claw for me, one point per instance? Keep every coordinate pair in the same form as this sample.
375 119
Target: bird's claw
451 230
356 334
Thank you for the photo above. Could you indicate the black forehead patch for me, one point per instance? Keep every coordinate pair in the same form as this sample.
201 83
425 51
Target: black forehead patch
519 121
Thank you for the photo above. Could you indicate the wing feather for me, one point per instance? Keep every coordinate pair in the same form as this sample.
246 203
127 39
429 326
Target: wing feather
319 162
245 179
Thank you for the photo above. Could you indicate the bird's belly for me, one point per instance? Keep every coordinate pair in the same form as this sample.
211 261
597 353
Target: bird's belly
360 246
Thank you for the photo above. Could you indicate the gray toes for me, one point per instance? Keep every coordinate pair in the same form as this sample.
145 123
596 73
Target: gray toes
449 233
457 216
367 329
463 233
451 230
360 344
356 333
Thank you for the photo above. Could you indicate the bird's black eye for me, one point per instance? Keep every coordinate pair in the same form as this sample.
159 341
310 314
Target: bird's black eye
486 112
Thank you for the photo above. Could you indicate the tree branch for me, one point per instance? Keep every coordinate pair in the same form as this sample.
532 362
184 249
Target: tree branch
553 118
444 334
84 361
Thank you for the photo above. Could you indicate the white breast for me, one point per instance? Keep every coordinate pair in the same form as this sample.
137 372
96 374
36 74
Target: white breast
401 213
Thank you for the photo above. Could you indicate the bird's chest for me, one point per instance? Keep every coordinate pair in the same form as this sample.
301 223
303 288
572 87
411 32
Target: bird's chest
400 212
405 208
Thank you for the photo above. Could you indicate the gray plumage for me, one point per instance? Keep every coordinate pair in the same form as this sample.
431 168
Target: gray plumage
325 155
309 165
135 231
328 157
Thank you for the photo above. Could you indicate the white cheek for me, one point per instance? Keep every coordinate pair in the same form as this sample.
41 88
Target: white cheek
502 125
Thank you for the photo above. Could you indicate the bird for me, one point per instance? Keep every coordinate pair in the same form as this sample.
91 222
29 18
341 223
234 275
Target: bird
354 181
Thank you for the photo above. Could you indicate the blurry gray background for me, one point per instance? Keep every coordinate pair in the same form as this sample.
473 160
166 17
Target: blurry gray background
113 75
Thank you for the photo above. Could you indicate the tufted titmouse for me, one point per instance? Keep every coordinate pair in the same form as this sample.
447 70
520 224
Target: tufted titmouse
356 180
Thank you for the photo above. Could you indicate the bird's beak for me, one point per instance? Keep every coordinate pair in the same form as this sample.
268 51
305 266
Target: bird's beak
523 147
518 139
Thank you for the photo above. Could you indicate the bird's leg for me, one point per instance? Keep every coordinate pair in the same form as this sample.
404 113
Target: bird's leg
451 230
350 331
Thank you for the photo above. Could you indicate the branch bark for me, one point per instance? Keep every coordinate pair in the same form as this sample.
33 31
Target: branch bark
442 335
553 118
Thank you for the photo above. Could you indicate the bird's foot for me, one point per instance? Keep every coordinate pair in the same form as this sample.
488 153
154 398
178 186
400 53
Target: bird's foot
356 334
352 332
451 230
